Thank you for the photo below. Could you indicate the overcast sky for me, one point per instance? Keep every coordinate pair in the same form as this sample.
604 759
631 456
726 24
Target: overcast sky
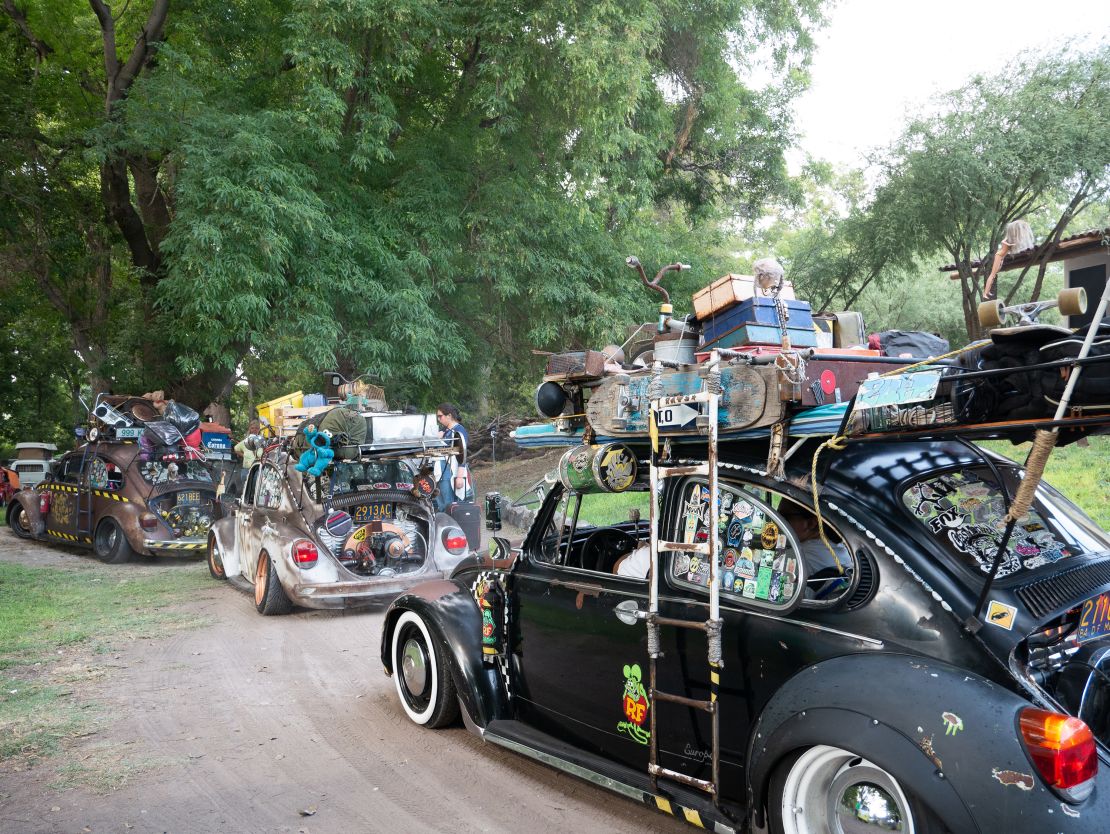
880 59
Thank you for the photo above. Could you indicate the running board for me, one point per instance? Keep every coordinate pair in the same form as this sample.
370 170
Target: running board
676 801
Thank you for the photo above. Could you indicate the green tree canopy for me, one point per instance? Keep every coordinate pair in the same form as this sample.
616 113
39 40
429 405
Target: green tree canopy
418 188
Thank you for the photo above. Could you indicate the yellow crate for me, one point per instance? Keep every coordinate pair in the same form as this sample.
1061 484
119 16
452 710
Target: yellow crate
267 410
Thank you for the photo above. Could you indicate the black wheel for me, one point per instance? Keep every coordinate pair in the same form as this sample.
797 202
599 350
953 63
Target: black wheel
421 674
827 790
215 559
269 596
110 544
17 520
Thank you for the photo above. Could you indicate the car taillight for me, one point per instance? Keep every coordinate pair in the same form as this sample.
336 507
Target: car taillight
1063 750
44 503
305 553
454 540
148 521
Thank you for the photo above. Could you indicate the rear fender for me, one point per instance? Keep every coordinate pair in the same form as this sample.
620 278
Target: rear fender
454 620
948 736
127 516
223 531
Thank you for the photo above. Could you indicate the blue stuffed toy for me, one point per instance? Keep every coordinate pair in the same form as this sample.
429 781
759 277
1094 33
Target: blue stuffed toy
319 454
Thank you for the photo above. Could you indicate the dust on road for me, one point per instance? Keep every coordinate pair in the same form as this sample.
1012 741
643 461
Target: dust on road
242 725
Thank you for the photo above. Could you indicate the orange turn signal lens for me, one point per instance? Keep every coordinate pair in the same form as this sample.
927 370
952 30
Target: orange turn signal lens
1063 749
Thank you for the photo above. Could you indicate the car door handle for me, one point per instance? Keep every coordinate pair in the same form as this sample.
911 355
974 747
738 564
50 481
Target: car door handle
629 612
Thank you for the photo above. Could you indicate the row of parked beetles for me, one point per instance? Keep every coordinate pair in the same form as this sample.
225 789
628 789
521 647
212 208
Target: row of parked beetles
886 697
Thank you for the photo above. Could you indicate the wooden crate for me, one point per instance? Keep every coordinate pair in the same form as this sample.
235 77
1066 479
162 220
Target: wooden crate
288 419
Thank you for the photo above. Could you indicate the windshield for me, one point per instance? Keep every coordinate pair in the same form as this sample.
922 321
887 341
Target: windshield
964 512
168 472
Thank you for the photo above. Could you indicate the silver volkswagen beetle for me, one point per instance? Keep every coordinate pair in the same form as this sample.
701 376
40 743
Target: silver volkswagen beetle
361 532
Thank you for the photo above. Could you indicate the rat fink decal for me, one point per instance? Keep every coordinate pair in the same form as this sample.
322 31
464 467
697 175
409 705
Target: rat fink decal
635 705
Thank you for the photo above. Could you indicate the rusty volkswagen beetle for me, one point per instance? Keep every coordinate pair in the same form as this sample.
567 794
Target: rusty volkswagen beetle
361 532
109 496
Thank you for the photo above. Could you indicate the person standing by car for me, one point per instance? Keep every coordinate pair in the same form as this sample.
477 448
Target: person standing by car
248 448
454 474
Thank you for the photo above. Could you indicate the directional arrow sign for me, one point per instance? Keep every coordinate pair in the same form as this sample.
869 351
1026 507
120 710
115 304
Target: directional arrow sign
676 416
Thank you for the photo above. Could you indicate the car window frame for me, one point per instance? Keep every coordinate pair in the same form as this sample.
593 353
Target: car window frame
62 470
673 518
109 462
265 466
955 561
545 520
250 484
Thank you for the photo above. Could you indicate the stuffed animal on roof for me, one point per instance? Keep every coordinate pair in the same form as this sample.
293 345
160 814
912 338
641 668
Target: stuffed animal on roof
319 454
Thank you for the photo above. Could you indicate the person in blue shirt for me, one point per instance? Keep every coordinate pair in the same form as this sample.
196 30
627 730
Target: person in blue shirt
454 474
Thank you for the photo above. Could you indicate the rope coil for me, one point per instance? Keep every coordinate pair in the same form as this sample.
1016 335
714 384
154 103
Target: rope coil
837 443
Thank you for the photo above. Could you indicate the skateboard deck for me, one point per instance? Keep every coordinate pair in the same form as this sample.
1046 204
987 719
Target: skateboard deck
814 422
750 399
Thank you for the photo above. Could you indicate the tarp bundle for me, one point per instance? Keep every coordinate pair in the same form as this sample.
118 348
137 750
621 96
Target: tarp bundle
1028 394
347 427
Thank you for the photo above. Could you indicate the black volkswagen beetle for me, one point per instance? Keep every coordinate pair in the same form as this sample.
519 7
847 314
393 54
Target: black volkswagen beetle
856 692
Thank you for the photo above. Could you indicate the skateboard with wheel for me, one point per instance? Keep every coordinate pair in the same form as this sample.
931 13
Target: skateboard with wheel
750 399
993 313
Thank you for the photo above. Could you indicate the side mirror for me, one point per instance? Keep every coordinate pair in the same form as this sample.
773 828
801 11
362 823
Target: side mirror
229 501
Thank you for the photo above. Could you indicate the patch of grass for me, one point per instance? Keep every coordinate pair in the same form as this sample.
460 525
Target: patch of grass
102 768
35 718
47 612
44 609
1081 474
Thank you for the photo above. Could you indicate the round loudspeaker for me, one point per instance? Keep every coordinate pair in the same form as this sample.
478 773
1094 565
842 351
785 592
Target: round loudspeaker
550 399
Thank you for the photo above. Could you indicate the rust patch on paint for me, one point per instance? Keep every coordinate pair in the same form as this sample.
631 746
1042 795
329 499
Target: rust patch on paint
1012 777
926 745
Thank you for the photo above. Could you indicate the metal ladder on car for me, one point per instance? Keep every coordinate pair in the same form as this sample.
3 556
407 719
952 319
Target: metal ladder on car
84 518
709 550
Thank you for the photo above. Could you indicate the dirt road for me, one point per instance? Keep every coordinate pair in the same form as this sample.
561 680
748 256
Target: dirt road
242 725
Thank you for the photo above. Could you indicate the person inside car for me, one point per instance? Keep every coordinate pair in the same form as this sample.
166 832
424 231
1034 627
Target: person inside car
824 575
635 565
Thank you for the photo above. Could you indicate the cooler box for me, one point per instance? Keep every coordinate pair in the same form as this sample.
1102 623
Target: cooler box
383 427
758 311
216 440
469 518
729 290
763 334
314 400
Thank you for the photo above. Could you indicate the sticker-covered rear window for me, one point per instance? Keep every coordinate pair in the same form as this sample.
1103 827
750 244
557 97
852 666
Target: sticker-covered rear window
758 560
965 510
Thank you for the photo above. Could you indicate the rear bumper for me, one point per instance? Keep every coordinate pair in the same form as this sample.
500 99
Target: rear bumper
175 547
361 592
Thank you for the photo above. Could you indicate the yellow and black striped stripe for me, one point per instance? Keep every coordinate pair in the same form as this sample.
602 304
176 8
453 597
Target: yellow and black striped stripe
69 537
153 544
101 493
689 815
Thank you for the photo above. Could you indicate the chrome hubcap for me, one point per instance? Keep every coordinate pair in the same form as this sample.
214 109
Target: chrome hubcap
864 807
414 667
833 791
